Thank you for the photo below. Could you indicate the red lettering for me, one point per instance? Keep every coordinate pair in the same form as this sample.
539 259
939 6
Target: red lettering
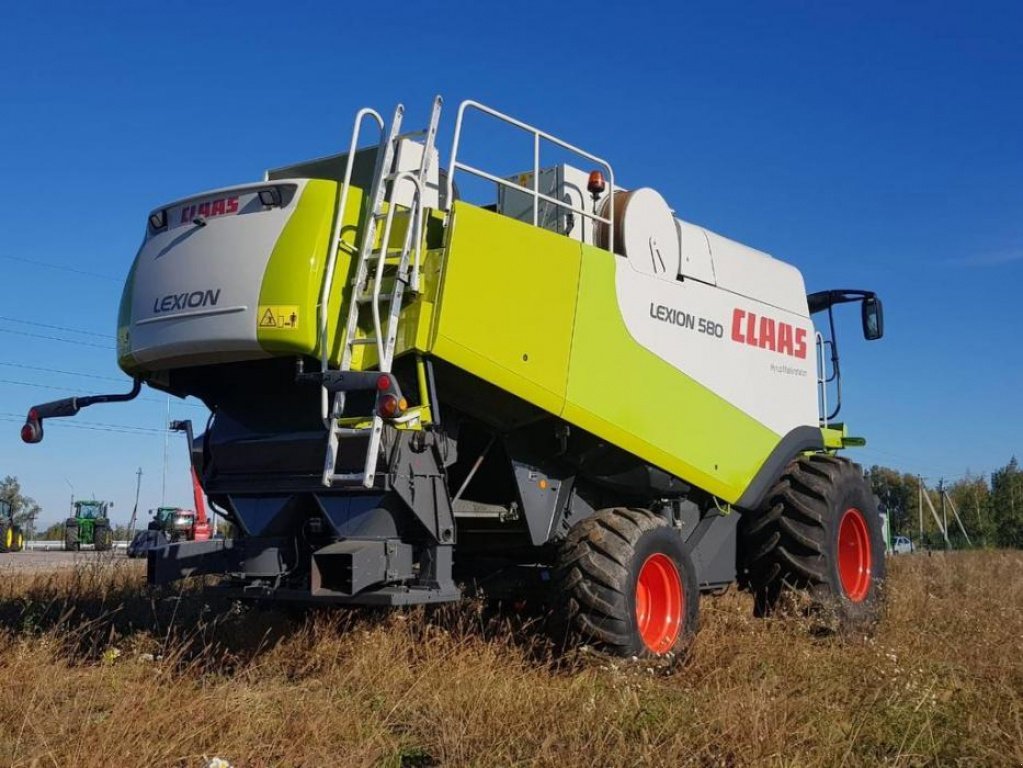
767 333
204 209
785 339
800 343
737 315
232 205
218 208
751 335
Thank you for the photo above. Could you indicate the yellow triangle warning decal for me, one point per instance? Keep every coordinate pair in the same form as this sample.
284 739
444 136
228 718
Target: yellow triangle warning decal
278 317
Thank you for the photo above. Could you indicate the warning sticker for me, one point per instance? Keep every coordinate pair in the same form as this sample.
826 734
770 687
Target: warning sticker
281 317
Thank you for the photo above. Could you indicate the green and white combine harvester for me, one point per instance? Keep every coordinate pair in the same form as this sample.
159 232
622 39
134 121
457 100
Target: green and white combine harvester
89 524
565 391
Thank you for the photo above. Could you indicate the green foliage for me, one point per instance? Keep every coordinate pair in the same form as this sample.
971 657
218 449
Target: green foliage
54 533
990 510
24 508
898 494
1007 504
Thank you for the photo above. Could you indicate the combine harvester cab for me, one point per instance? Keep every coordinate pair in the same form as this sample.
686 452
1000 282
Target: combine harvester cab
564 391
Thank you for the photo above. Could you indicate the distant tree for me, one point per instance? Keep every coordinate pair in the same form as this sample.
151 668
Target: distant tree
54 533
1007 504
24 508
972 498
897 494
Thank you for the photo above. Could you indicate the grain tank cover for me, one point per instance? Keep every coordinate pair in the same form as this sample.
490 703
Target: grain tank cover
213 265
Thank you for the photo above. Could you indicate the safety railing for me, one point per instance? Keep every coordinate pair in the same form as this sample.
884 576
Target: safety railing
822 381
413 239
538 196
335 243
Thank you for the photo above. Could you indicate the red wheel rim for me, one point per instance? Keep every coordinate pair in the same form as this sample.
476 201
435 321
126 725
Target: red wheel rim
659 603
854 555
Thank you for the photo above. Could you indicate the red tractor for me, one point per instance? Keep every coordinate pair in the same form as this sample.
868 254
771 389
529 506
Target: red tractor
173 524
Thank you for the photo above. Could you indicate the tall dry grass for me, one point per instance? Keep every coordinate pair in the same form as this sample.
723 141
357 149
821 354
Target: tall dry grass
98 672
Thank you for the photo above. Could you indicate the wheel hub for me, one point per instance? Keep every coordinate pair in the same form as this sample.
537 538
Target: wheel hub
659 603
854 555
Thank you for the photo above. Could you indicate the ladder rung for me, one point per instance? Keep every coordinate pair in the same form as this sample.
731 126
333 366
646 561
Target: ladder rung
359 342
366 298
350 477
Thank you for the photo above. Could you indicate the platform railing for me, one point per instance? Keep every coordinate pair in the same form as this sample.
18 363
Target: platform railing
335 243
538 135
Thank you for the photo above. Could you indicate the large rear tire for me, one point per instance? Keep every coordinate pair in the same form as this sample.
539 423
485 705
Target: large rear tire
71 543
18 540
102 537
625 582
6 535
819 534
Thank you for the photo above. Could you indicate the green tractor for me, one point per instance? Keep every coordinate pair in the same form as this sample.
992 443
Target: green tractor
12 537
89 524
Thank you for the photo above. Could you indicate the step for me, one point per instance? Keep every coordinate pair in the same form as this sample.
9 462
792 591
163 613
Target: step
365 298
348 477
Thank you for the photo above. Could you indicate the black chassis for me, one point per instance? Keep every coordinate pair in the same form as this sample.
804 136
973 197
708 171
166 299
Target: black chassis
413 539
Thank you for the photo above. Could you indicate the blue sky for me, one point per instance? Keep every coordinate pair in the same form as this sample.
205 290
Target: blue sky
872 144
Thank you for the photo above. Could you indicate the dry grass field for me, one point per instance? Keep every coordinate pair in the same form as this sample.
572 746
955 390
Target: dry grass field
98 672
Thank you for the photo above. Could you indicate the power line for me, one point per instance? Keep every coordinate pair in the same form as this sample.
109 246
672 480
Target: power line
76 342
64 373
83 394
93 425
90 428
106 336
929 473
60 267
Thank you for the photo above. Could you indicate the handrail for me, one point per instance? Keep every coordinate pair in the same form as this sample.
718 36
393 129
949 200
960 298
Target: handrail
415 210
822 381
335 242
535 191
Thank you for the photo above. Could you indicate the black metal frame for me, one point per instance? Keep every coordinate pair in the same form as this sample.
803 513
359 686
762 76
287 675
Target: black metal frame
826 300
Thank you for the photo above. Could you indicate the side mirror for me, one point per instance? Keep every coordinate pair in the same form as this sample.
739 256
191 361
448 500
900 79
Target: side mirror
873 318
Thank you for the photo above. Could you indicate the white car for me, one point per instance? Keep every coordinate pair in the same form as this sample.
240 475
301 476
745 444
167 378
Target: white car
902 545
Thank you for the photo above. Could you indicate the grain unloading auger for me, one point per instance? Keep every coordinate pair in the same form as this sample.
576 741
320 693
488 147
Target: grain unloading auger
566 389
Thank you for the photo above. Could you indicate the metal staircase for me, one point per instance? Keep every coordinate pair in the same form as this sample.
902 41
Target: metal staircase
374 254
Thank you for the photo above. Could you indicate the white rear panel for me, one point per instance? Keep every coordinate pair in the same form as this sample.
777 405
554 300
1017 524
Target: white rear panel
196 288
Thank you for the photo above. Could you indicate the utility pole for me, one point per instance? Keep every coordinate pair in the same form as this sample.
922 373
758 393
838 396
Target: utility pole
920 500
944 512
166 442
937 520
959 521
135 511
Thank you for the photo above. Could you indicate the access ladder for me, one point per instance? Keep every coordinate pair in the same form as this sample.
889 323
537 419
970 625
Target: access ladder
369 277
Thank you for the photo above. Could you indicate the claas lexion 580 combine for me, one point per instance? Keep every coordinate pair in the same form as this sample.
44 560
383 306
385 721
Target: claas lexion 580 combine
566 389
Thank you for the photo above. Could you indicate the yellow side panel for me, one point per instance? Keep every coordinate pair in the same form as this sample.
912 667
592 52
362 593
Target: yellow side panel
507 304
287 321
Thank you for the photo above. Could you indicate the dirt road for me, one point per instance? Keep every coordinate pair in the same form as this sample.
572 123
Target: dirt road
42 561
